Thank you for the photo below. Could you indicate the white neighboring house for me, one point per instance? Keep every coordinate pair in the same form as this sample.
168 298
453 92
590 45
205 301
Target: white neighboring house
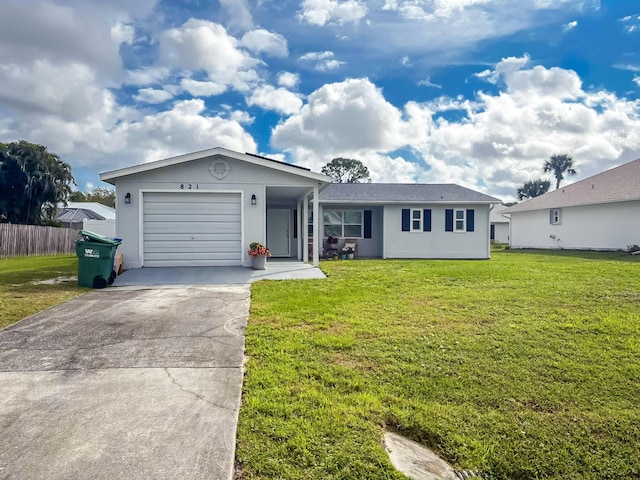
205 208
601 212
499 225
92 216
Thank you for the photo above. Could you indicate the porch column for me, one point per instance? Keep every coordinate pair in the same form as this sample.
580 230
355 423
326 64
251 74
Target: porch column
316 228
299 229
305 231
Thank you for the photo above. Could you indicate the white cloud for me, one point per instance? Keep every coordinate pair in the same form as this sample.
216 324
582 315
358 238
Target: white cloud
569 26
264 41
324 12
288 79
202 45
152 95
202 89
636 80
122 33
426 82
239 14
279 99
405 61
241 117
324 61
631 23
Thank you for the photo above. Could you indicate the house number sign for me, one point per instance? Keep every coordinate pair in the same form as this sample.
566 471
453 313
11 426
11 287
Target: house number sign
188 186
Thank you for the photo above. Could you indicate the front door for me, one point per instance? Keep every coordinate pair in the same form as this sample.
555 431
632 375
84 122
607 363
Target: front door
278 232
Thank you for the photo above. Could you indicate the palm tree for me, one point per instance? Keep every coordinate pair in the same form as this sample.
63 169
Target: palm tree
533 189
560 164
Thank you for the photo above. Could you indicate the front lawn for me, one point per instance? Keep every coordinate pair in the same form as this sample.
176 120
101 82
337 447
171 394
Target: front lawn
27 286
526 366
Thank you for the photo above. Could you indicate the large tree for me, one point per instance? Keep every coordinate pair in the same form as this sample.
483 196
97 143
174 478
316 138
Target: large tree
32 182
101 195
533 188
347 170
560 164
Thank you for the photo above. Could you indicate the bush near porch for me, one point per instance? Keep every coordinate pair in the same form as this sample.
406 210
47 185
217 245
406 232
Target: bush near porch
522 367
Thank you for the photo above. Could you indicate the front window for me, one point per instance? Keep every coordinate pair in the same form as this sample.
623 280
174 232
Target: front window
416 220
460 221
343 223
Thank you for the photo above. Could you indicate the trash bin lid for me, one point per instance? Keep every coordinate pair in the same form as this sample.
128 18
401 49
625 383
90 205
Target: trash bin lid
95 237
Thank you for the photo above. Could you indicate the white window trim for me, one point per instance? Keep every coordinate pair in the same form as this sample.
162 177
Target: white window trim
456 220
553 213
343 224
420 220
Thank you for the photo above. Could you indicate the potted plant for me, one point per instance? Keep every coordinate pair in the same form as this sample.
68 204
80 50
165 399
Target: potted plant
350 252
258 253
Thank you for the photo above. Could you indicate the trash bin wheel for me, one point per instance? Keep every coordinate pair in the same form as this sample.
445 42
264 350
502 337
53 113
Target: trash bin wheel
99 282
112 277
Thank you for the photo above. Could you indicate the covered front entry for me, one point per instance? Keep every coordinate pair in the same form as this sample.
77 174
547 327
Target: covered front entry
278 232
183 229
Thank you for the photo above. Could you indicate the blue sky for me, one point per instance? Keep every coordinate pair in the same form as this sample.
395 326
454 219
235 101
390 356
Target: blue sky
474 92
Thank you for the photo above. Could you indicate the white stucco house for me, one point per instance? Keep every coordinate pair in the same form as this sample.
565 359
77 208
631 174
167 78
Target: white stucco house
499 225
601 212
205 208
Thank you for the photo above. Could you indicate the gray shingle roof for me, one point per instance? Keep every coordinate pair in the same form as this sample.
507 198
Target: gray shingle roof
401 193
619 184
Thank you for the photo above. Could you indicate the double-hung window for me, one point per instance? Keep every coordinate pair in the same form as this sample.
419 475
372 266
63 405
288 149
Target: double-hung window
343 223
555 216
416 220
460 221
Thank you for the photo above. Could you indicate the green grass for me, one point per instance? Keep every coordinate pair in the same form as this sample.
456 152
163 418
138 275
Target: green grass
21 296
526 366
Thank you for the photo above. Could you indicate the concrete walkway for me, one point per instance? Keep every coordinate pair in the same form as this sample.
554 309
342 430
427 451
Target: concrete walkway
181 276
125 383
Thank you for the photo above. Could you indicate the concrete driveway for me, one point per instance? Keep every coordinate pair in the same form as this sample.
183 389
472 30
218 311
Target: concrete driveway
125 383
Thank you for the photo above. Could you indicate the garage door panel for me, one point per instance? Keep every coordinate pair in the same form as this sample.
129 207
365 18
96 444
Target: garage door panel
187 229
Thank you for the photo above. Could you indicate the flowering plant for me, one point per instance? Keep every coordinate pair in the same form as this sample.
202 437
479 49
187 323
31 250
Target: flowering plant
256 249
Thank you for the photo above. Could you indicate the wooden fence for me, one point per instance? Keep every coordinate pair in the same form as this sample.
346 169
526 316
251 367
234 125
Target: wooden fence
29 240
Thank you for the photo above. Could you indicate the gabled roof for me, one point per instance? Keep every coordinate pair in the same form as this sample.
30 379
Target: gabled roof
212 152
98 210
619 184
76 215
496 214
371 193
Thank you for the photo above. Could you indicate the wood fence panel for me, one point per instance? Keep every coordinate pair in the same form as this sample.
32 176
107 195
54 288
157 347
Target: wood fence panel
31 240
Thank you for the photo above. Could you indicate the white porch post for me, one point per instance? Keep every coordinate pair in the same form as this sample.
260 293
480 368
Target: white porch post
299 229
305 231
316 228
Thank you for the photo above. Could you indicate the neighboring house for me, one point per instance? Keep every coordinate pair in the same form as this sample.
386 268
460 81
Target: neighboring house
601 212
499 225
73 214
205 208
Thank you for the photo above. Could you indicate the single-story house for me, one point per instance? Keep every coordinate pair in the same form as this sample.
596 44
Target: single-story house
73 214
499 225
205 208
601 212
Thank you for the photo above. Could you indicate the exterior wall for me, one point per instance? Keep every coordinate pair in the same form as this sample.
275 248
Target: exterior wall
501 232
192 178
101 227
437 243
610 226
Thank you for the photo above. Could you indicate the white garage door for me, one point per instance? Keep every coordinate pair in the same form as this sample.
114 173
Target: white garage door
191 229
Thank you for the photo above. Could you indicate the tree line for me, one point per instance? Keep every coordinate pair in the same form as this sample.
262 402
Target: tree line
559 164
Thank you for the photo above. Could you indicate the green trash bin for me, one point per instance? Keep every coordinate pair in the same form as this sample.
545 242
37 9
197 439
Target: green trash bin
96 255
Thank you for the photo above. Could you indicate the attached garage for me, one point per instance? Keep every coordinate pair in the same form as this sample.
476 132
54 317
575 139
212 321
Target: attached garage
191 229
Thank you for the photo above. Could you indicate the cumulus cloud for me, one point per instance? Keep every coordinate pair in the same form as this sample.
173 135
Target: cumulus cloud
200 45
279 99
323 12
497 142
569 26
239 13
152 95
122 33
264 41
199 88
288 79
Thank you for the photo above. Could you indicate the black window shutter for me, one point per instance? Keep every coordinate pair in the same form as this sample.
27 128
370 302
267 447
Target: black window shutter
367 224
470 220
295 223
406 220
448 220
426 220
